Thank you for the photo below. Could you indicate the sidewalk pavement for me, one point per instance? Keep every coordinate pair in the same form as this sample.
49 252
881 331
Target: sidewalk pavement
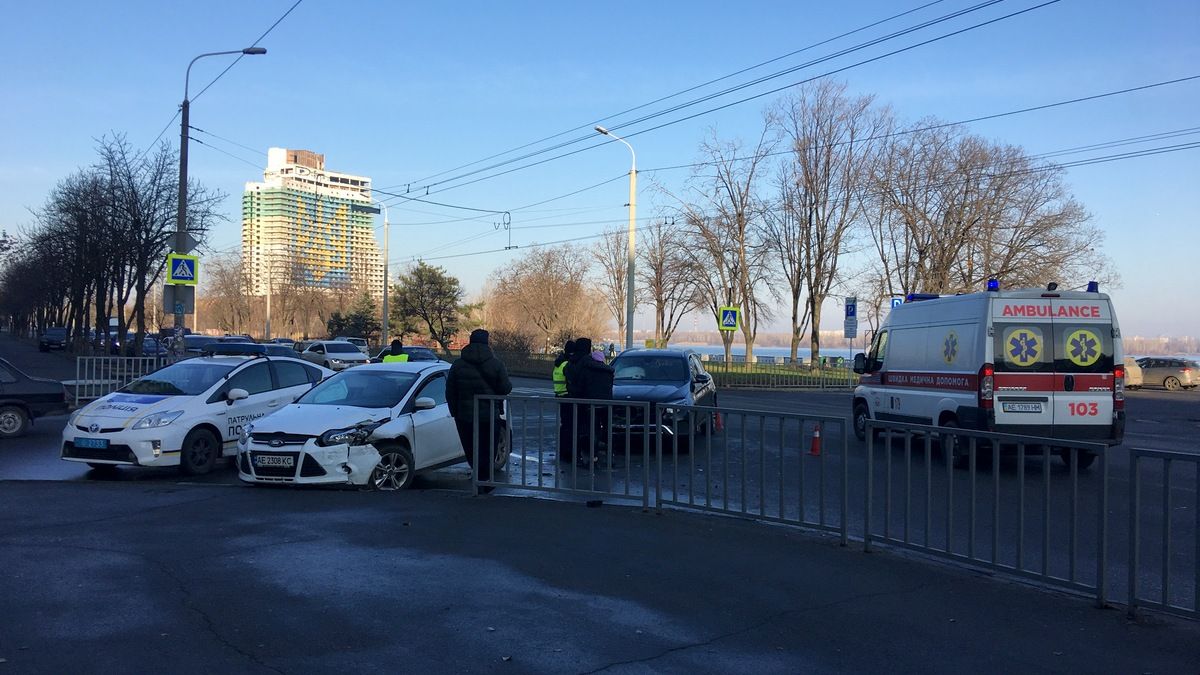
106 577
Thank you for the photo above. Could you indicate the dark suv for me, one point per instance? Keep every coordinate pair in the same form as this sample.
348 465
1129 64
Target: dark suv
668 379
52 338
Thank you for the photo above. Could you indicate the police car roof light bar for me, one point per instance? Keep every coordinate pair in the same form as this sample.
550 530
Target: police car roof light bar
993 285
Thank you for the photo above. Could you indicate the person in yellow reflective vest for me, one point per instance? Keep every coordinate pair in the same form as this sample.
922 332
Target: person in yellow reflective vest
396 353
565 410
559 375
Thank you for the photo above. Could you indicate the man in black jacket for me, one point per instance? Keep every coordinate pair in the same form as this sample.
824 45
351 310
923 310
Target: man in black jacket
590 378
477 371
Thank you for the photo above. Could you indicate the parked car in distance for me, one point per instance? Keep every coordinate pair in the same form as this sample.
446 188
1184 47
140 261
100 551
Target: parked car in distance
193 345
236 338
52 338
414 354
361 343
301 345
334 354
665 378
150 346
247 349
1169 373
282 341
24 398
1133 373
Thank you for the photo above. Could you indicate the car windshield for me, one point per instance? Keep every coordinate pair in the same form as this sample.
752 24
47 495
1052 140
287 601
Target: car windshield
361 388
657 368
56 332
186 378
341 348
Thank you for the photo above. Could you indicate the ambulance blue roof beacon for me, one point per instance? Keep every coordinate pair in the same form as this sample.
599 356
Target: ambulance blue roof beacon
187 414
1038 363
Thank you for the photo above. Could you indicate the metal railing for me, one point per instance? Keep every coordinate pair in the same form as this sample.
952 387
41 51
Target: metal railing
780 376
1049 510
97 376
1030 531
564 445
1176 593
762 465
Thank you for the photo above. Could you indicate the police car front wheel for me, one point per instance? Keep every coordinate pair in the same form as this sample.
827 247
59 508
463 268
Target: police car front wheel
199 452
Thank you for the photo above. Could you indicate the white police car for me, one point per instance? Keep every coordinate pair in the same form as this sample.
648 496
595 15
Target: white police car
185 414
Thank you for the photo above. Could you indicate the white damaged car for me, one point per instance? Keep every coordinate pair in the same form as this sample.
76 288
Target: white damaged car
187 414
376 425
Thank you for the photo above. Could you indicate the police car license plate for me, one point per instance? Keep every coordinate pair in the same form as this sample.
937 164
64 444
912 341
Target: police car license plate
94 443
1021 407
274 460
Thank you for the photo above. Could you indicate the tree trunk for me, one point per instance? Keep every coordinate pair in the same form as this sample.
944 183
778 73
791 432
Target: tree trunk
815 306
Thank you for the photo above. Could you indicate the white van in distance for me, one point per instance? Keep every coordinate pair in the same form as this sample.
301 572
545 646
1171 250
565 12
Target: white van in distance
1033 362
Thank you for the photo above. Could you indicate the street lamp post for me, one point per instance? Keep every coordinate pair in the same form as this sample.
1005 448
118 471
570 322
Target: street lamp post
629 267
181 238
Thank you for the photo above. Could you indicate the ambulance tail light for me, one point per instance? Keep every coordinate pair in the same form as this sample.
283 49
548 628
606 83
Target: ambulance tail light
1118 387
987 385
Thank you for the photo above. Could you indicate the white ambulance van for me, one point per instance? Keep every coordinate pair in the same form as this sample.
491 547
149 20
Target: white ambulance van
1043 363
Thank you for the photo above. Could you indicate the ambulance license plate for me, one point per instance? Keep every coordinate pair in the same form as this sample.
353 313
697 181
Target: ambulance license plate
1021 407
274 460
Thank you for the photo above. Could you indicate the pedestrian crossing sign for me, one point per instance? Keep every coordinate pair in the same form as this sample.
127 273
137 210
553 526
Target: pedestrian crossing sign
182 269
731 318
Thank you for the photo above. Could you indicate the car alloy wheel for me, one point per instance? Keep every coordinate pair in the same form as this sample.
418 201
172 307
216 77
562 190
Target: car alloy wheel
393 471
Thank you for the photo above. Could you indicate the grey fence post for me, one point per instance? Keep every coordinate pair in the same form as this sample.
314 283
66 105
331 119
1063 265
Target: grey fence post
1135 503
870 486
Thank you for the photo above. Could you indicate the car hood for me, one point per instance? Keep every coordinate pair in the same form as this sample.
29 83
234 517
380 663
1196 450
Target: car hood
654 393
127 407
311 420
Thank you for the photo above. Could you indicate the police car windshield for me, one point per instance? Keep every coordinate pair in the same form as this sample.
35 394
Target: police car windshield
361 388
655 368
341 348
186 378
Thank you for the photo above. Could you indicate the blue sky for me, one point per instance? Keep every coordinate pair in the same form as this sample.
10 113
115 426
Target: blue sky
400 91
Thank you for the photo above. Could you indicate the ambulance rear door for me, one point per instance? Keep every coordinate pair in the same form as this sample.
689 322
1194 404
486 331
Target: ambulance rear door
1023 357
1083 368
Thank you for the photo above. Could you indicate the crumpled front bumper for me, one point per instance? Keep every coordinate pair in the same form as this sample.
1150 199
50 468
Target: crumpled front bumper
310 464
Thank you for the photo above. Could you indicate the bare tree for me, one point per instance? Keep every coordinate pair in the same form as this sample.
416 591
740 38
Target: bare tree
726 237
950 210
667 278
833 138
543 292
611 255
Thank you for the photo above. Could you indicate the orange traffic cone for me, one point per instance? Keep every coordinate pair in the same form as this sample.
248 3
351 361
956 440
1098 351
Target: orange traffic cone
720 422
815 448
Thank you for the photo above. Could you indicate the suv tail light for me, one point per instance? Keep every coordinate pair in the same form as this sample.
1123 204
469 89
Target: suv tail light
987 382
1118 387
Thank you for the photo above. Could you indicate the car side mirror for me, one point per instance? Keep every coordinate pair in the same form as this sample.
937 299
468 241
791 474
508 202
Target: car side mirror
703 378
236 395
425 403
860 363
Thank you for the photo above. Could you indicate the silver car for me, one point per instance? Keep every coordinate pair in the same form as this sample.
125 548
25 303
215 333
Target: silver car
334 354
1170 373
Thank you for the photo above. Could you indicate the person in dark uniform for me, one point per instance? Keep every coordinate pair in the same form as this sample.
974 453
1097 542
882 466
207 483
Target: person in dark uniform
477 372
591 379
